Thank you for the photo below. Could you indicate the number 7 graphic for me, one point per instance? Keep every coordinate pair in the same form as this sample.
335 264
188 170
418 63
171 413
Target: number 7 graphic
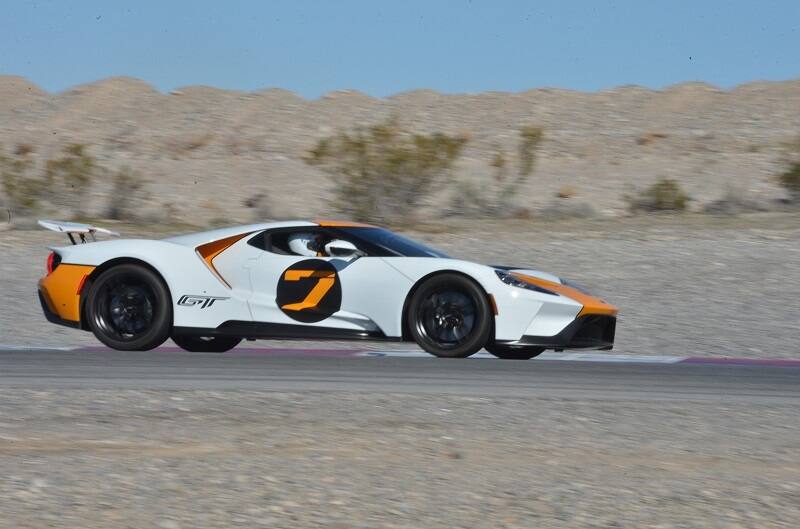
327 279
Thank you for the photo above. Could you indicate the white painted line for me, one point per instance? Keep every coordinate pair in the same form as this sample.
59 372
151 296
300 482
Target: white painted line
605 357
563 357
568 357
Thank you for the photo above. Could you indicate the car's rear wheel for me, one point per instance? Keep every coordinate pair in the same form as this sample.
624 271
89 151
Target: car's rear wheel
206 344
128 308
508 352
449 316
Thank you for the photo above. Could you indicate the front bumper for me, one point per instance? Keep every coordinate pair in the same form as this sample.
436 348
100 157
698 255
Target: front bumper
591 331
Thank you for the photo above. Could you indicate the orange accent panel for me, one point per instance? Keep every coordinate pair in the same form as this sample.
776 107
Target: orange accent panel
60 290
326 281
591 304
342 224
210 250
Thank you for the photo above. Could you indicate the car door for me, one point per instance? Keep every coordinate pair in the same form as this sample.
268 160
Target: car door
360 295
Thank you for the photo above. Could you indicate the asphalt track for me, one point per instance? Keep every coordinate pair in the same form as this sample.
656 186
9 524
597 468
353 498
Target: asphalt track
95 368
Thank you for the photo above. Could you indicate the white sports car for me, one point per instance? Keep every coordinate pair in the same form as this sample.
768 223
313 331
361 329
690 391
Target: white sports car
311 280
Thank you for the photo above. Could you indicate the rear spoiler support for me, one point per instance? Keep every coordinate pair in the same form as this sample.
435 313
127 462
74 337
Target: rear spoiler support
75 228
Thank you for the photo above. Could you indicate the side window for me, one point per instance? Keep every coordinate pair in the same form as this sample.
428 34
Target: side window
272 242
277 241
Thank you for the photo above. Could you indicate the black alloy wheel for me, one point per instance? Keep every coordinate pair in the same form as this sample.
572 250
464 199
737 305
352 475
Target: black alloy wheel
129 308
449 316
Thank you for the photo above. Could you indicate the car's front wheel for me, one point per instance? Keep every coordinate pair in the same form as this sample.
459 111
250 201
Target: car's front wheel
206 344
128 308
509 352
449 316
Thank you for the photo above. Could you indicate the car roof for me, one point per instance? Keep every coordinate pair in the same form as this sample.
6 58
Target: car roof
203 237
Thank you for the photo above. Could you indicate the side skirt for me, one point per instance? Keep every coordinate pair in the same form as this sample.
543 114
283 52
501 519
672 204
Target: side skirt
263 330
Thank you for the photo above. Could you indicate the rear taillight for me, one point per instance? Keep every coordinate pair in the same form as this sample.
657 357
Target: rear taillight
53 260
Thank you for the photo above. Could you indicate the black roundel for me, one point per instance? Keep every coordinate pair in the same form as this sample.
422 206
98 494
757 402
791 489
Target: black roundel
309 291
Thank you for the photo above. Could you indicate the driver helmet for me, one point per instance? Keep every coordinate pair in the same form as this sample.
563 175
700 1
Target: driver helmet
306 244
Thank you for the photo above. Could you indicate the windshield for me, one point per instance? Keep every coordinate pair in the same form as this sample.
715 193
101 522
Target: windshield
391 243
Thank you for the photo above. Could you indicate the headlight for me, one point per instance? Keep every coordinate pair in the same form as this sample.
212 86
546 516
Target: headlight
510 279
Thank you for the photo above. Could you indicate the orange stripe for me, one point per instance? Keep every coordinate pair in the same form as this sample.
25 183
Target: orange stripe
591 304
211 250
342 224
60 289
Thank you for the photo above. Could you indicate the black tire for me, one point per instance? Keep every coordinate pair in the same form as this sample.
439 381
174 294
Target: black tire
449 316
507 352
129 308
206 344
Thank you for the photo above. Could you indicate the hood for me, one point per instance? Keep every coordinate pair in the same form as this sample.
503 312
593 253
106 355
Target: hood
529 272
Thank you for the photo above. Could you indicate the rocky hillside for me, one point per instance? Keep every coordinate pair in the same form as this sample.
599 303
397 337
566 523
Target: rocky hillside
206 153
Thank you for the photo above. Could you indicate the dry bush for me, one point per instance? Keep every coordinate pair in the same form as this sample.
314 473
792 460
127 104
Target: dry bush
128 195
260 206
24 149
70 177
650 137
384 171
790 180
185 145
499 198
23 189
665 195
566 191
790 177
530 137
238 144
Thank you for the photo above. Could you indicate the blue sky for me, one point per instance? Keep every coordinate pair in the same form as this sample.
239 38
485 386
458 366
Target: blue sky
381 48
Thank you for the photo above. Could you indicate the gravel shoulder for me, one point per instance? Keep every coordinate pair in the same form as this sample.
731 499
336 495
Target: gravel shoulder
686 285
79 458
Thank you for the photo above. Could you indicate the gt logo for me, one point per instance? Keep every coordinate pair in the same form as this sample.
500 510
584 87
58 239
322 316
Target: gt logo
309 291
203 301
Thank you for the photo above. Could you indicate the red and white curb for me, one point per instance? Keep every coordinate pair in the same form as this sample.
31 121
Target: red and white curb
597 357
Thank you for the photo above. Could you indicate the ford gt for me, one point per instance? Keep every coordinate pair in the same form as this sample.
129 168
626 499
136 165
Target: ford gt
321 280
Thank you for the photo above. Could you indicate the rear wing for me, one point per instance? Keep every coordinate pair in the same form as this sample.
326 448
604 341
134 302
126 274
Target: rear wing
75 228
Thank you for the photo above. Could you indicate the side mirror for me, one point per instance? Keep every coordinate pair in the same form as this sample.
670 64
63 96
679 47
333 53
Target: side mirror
340 248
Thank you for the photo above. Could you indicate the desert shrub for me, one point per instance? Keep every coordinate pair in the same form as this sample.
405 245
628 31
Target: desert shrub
790 180
530 137
70 176
185 145
128 195
566 191
508 175
23 149
23 189
665 195
649 137
260 206
384 171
